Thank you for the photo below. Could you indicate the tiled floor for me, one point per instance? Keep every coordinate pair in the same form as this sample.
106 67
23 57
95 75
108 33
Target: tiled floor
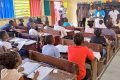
113 70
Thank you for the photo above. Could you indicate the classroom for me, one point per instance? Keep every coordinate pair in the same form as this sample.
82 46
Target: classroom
59 39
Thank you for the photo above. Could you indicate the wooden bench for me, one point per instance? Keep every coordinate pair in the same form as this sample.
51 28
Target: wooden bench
56 62
97 66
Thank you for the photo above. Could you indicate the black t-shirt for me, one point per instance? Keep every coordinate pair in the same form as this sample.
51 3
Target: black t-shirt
98 40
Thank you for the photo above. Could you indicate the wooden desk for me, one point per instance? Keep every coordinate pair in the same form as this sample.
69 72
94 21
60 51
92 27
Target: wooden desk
59 75
20 30
29 44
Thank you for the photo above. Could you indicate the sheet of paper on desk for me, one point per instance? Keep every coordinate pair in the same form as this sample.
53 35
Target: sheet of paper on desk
97 55
30 42
21 44
62 48
30 67
87 39
43 72
68 30
7 45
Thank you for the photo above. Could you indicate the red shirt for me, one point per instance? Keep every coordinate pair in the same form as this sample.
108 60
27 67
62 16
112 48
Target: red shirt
78 55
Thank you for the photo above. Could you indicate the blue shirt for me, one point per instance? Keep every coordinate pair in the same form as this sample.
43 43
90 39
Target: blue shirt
65 24
101 12
6 27
50 50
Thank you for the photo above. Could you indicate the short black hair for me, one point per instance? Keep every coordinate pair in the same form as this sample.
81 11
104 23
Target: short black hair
21 20
90 24
97 32
109 24
30 19
49 39
8 59
2 34
11 22
78 38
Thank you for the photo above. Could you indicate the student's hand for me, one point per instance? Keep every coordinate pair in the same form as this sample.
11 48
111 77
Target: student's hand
36 75
20 69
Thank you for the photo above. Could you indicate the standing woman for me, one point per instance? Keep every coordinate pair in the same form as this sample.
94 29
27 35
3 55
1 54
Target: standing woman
91 11
80 16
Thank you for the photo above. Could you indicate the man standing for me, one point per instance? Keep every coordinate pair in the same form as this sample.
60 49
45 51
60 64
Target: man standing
62 12
113 15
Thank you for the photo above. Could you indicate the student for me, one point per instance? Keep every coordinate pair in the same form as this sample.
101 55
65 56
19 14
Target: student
61 29
38 21
8 27
21 22
4 41
109 31
113 14
33 30
50 49
30 20
78 54
89 28
9 69
99 40
46 26
66 23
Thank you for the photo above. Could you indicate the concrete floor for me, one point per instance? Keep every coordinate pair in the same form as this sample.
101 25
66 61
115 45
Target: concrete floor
113 70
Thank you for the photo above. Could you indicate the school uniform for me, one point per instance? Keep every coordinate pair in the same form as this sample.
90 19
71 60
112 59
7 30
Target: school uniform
10 74
33 32
62 30
89 30
50 50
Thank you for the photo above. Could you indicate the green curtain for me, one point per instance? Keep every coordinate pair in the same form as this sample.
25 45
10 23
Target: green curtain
47 7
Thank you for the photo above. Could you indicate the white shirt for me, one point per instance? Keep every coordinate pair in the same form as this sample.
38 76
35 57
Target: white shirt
89 30
113 15
101 26
62 30
33 32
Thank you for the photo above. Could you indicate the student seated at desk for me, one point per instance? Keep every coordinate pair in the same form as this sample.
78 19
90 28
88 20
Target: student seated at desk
4 41
21 22
108 31
60 28
66 23
9 69
89 28
99 40
46 26
7 27
33 30
38 21
79 54
30 20
49 48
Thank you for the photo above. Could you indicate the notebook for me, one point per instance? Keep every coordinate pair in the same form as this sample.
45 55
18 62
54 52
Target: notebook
21 44
97 55
43 72
30 67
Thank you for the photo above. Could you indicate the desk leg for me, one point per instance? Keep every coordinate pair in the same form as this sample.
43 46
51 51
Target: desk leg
94 70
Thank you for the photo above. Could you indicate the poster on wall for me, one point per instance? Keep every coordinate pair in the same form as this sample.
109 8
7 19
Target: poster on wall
22 8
